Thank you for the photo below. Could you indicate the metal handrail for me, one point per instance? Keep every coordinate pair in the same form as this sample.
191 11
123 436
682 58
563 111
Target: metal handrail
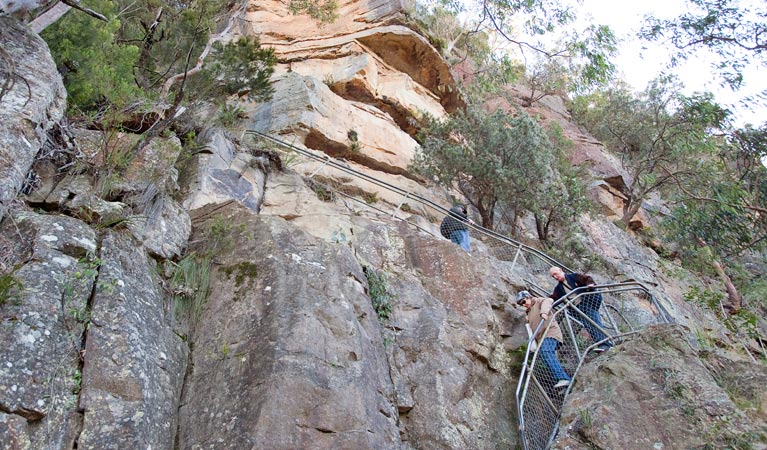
332 162
564 305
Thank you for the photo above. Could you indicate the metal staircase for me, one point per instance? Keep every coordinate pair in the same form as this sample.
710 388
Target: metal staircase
626 307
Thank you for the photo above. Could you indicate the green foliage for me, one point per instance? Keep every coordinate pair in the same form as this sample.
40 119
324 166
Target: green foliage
10 288
242 66
743 321
564 198
452 38
96 68
128 61
229 115
722 215
584 415
586 52
190 283
379 293
660 135
724 224
489 157
731 29
324 11
547 77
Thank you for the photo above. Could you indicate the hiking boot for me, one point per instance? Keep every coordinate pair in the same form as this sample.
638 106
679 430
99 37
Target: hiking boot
602 349
561 384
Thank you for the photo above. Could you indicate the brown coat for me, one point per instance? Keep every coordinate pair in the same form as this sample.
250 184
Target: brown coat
540 306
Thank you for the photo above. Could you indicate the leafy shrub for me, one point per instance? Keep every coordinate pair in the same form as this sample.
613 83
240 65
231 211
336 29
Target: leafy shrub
380 295
95 68
10 288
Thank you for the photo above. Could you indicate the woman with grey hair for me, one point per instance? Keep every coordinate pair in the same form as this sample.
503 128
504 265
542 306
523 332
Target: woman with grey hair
539 310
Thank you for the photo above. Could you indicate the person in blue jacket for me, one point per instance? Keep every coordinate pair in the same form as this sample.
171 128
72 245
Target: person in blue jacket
589 304
454 226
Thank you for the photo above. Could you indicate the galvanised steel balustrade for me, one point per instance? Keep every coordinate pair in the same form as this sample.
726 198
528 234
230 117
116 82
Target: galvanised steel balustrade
502 247
626 308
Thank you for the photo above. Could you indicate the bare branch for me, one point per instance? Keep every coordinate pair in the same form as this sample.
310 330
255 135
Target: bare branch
692 196
76 5
200 60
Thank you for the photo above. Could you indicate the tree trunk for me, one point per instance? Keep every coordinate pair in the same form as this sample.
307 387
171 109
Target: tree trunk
733 296
630 208
541 227
49 17
487 217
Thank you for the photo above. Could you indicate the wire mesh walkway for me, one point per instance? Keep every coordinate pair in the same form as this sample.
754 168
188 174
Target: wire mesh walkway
625 309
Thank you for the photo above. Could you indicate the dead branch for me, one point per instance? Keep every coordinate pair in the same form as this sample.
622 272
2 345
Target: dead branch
200 60
76 5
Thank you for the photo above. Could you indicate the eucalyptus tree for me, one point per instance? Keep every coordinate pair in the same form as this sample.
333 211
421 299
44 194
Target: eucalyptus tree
490 157
734 30
659 135
724 213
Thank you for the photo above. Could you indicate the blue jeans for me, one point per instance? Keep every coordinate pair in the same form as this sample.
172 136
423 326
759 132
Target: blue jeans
547 349
590 305
461 237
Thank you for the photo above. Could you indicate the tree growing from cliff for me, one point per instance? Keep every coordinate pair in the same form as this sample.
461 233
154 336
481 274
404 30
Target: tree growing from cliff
659 135
546 77
562 199
157 53
724 213
489 157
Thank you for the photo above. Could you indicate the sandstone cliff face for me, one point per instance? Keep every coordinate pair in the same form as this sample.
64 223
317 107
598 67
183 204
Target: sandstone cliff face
366 72
287 351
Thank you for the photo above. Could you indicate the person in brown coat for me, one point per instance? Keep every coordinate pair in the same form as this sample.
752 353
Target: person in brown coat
539 309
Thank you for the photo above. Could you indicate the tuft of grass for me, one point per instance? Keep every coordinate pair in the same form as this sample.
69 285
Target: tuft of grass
584 415
229 115
370 198
190 283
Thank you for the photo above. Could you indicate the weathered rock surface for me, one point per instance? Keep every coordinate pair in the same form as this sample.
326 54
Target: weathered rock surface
134 362
656 391
448 358
314 115
165 231
311 111
291 354
42 327
34 100
78 196
224 171
365 73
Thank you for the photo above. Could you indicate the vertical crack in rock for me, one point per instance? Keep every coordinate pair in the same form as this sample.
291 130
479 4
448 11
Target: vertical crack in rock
83 340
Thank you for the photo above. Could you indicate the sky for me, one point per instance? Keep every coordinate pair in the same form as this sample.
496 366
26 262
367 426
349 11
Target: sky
639 62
